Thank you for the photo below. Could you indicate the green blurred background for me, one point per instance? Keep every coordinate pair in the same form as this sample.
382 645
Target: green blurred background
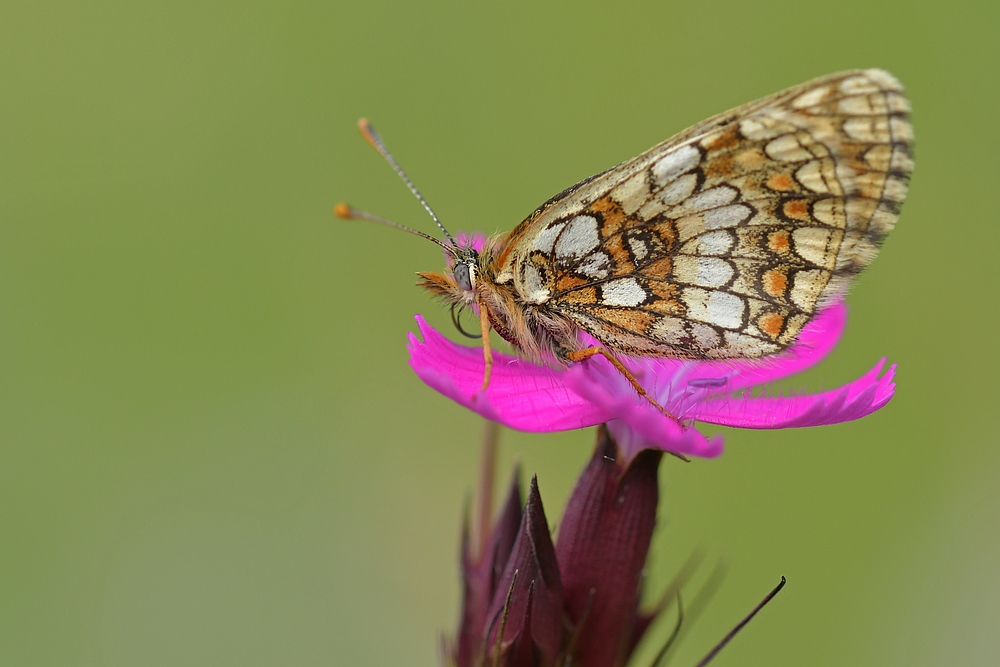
212 450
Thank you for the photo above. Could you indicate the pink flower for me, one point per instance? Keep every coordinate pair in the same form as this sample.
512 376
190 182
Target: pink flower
530 397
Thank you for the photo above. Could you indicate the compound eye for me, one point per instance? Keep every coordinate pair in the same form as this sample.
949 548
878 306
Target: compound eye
463 276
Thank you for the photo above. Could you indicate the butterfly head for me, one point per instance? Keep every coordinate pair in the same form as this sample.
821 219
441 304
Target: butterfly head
467 279
463 261
464 273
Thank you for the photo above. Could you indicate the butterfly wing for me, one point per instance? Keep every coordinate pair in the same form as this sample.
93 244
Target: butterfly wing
724 240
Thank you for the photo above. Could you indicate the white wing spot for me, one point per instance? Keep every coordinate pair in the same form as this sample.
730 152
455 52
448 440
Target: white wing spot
691 226
622 292
787 149
725 310
702 271
578 238
900 160
712 198
719 308
547 237
901 130
714 243
727 216
812 244
829 212
811 98
595 265
763 127
862 105
858 85
534 291
675 163
633 193
670 330
639 248
745 346
504 277
871 130
679 190
807 287
895 189
705 336
811 176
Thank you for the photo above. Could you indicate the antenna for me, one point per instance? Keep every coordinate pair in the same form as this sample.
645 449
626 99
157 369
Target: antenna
348 212
373 137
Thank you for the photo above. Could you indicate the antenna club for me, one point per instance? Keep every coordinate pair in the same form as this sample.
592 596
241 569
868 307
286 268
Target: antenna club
343 210
368 132
373 138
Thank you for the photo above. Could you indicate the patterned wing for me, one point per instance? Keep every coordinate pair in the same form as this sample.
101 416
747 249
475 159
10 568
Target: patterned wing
724 240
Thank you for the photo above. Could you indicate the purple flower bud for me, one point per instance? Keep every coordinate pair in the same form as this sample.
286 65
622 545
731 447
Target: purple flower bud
603 541
482 571
529 603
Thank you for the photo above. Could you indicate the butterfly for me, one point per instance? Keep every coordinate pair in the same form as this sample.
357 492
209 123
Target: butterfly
721 242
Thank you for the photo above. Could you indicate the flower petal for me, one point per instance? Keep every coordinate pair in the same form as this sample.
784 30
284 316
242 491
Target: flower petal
852 401
636 424
521 395
530 397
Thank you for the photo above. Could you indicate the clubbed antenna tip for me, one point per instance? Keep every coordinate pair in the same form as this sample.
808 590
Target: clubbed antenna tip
348 212
375 139
342 210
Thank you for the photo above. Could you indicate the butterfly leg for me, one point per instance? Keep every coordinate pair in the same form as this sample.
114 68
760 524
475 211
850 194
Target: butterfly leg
587 353
484 327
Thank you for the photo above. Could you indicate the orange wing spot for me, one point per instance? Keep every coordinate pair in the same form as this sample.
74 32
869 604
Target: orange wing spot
614 218
775 282
771 324
796 209
584 296
569 281
664 289
620 258
719 167
781 182
667 233
726 139
604 204
633 320
751 159
777 242
667 300
661 268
